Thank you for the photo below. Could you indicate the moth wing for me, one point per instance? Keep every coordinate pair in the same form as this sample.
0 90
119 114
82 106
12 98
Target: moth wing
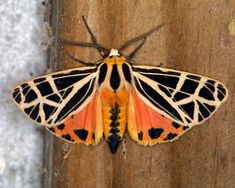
185 98
50 99
83 127
147 126
165 103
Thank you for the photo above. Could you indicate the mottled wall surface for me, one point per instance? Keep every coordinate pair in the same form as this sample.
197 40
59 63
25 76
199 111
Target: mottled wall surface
21 58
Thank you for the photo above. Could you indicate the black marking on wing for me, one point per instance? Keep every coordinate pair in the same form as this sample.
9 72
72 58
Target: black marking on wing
39 119
44 88
176 125
67 137
155 133
156 99
140 135
209 107
210 86
75 102
189 108
62 83
16 95
28 110
39 80
102 74
34 112
152 70
166 80
25 90
221 92
51 129
48 110
81 133
179 96
126 72
203 110
206 93
30 96
170 136
67 92
166 91
114 78
61 126
194 77
54 98
189 86
24 85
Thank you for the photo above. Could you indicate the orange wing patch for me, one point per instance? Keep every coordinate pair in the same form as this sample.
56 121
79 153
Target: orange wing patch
84 127
149 127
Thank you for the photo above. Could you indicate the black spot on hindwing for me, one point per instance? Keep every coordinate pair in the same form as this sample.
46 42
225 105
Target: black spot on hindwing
176 125
170 136
140 135
81 133
61 126
67 137
155 133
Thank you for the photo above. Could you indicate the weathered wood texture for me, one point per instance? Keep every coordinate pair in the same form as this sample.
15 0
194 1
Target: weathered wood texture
198 37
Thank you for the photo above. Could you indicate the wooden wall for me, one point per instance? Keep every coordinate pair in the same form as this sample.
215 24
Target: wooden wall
198 37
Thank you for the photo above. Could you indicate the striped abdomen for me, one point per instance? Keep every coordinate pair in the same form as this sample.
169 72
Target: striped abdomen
114 106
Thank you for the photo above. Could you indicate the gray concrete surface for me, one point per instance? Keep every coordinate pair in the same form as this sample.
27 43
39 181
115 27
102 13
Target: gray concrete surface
21 58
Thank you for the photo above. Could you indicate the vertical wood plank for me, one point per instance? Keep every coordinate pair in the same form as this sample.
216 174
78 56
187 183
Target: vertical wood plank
198 37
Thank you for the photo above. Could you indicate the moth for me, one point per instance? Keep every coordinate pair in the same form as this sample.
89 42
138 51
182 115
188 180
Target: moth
104 99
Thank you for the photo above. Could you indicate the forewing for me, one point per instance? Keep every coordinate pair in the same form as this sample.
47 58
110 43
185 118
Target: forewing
185 98
50 99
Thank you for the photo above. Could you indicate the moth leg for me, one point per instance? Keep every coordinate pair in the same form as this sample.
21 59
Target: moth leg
81 61
140 37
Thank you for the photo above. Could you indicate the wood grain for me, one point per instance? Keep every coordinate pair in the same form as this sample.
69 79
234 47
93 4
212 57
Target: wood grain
198 37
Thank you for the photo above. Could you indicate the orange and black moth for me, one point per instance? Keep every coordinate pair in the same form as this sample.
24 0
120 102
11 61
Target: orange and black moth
104 99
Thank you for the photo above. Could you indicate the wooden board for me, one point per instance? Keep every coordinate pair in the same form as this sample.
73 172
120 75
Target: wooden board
198 37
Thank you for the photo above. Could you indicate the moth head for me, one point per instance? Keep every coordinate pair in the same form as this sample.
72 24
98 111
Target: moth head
113 52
